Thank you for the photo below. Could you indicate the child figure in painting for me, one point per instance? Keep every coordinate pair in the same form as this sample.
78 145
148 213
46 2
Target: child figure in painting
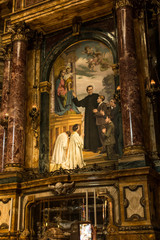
75 154
68 78
60 150
109 140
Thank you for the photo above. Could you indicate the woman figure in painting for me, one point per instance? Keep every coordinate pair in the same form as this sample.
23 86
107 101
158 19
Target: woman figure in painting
63 95
61 90
75 154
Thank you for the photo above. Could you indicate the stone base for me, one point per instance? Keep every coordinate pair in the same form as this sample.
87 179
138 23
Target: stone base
133 161
13 167
135 236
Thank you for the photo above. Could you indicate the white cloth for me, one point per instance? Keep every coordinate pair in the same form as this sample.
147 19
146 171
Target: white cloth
74 154
59 153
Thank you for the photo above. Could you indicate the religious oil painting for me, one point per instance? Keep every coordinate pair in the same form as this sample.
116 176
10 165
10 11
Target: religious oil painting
82 86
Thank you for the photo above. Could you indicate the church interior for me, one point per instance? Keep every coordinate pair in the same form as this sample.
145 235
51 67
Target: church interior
60 62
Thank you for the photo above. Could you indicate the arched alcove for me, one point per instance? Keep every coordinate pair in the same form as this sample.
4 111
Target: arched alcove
49 68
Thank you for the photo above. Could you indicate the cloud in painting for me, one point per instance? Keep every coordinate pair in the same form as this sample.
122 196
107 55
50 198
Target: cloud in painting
85 77
82 68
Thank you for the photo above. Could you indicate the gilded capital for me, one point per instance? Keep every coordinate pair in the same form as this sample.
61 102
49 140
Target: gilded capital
19 32
123 3
45 86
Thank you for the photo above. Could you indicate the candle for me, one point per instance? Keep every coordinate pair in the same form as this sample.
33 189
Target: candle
19 211
83 211
118 88
95 210
87 205
3 147
131 130
105 208
10 217
103 211
153 83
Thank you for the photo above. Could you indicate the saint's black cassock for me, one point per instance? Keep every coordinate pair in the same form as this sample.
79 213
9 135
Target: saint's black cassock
91 136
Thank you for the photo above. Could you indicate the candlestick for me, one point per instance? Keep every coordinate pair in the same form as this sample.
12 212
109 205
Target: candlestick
19 211
87 205
95 210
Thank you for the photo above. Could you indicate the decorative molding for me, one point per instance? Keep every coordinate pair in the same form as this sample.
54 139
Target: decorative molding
134 228
34 114
2 51
112 229
26 232
111 195
76 25
45 86
131 150
115 68
123 3
5 200
8 54
4 226
31 175
62 188
133 187
13 167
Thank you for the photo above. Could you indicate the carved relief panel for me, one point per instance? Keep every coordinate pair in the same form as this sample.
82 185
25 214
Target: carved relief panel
134 203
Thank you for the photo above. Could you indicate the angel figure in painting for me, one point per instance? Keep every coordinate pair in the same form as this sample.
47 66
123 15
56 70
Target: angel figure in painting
60 149
95 58
74 154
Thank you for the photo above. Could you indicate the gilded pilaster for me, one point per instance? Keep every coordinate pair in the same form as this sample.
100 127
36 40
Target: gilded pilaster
33 106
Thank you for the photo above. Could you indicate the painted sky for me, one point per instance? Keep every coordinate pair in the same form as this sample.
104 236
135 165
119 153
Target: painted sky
86 76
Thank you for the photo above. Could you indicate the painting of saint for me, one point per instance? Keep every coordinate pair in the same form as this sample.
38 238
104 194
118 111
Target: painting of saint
81 74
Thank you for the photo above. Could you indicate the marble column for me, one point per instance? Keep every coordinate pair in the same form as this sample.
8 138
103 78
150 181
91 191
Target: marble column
129 82
4 105
17 107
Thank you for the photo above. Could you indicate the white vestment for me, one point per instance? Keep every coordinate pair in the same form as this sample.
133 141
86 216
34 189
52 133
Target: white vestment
60 148
74 154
